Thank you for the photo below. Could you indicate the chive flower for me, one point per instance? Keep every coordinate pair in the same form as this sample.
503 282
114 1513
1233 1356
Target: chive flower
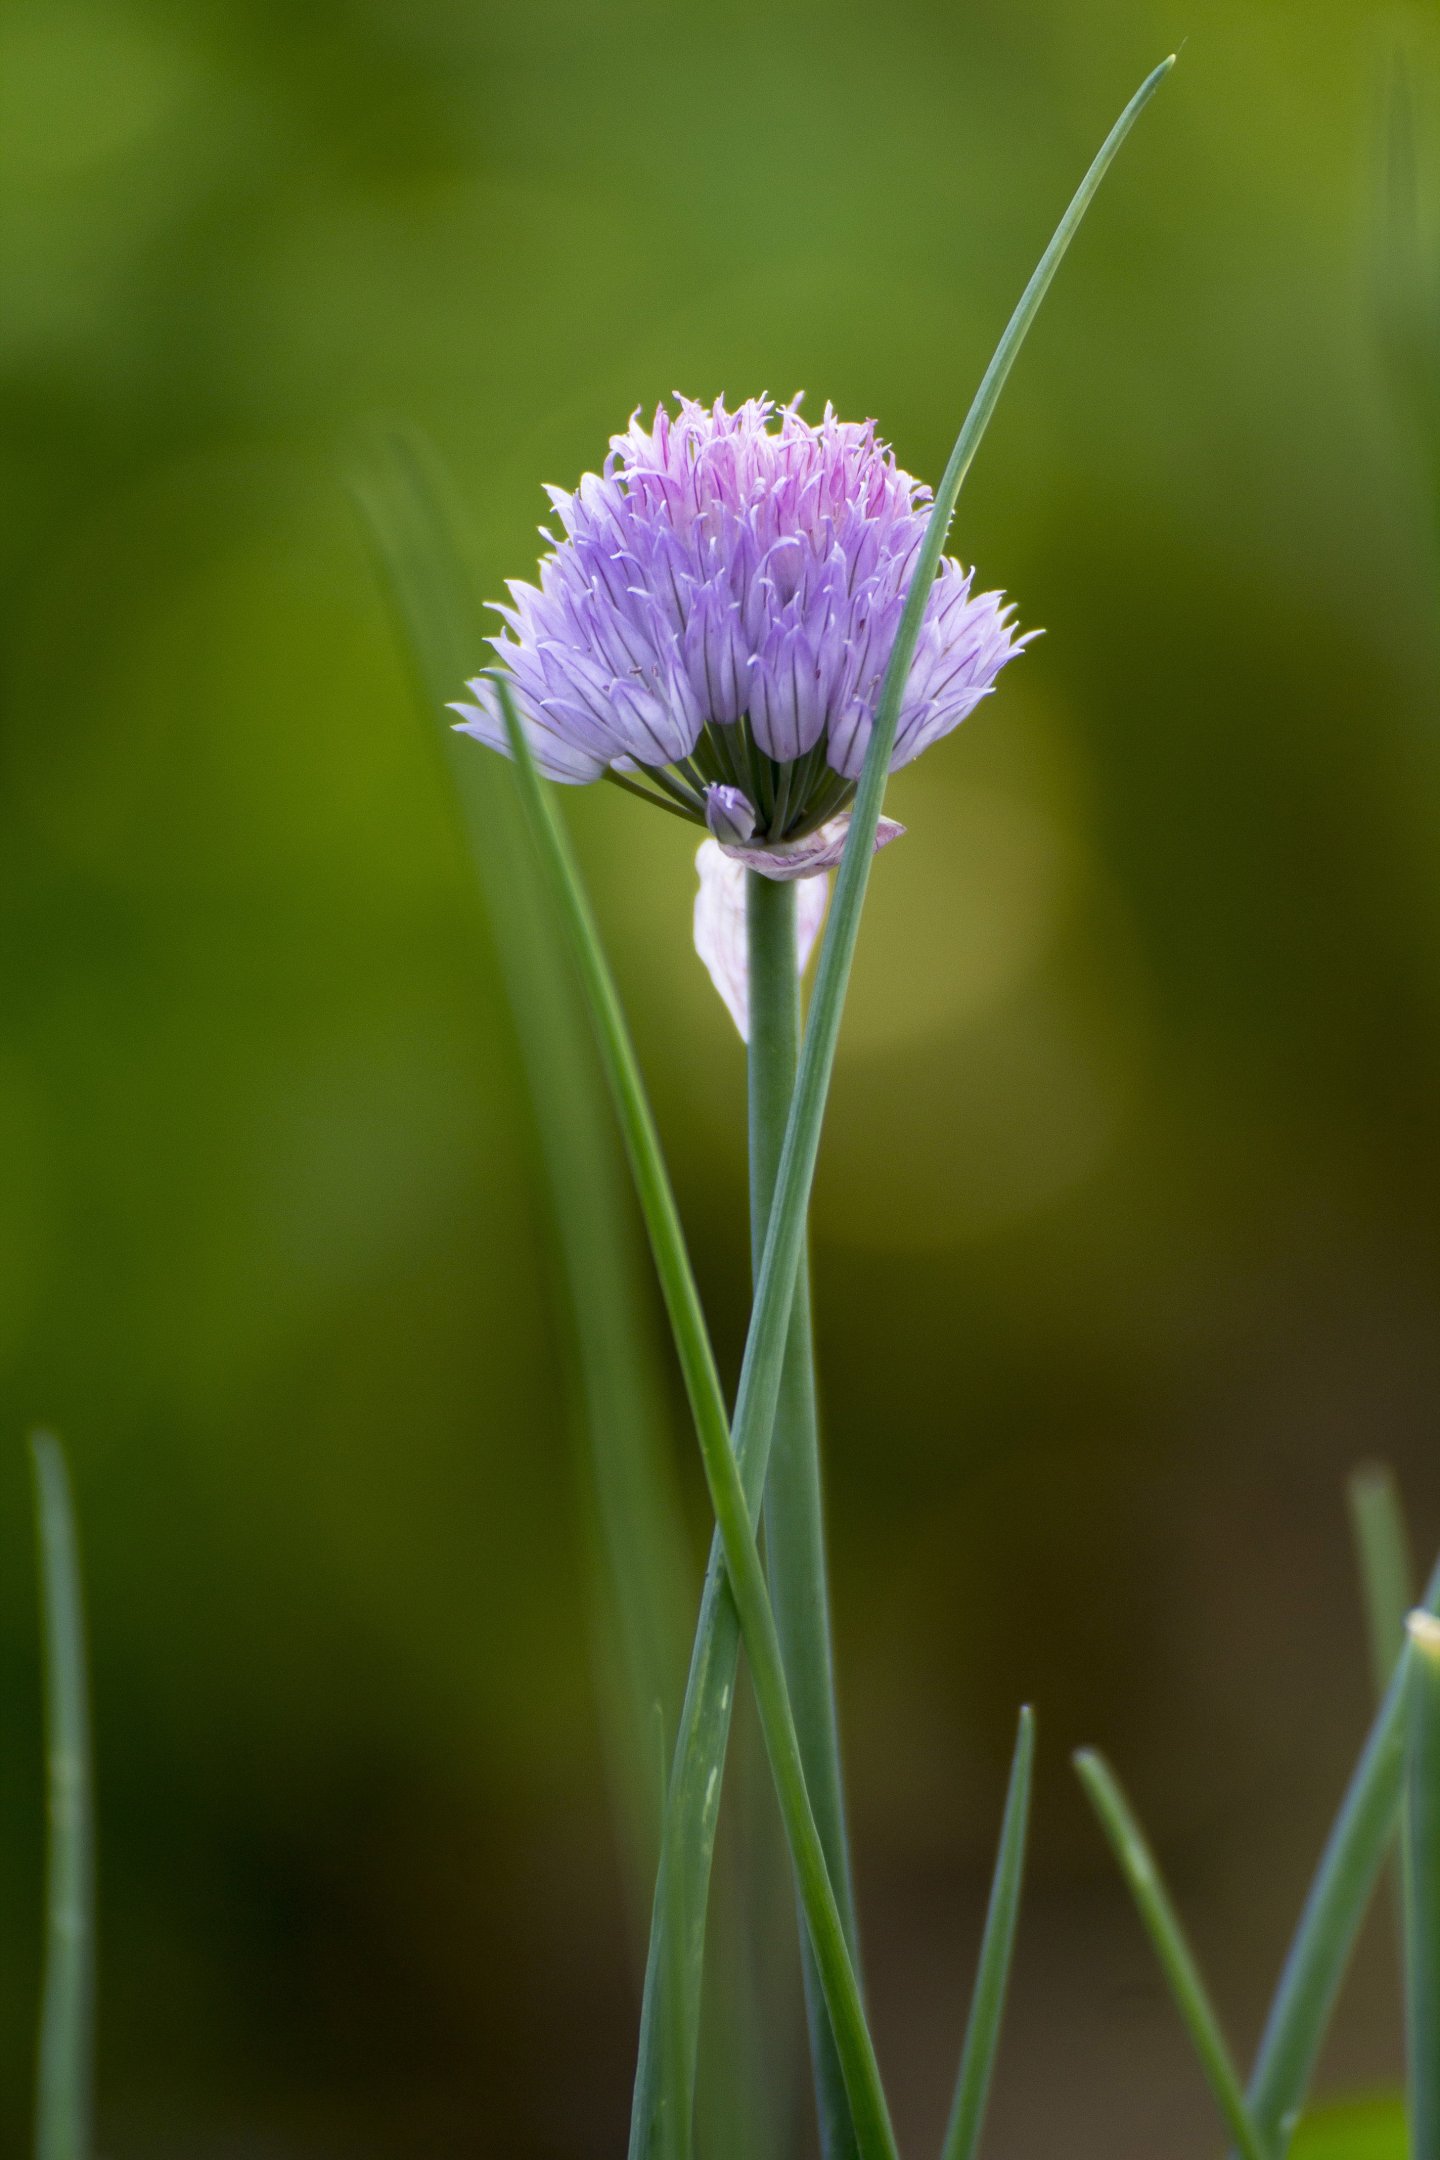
712 627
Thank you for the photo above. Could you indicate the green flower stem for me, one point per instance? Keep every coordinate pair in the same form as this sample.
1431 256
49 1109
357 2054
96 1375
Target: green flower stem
1422 1933
982 2028
65 2067
794 1523
705 1715
1177 1960
1339 1896
728 1498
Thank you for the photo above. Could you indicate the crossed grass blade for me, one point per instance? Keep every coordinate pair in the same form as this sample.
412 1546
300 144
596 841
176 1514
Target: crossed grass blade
705 1717
641 1562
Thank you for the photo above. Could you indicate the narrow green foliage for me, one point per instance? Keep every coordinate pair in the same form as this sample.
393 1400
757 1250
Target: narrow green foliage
1422 1912
1339 1895
1382 1549
765 1346
642 1563
1177 1960
704 1727
65 2067
727 1494
794 1525
1387 1588
982 2030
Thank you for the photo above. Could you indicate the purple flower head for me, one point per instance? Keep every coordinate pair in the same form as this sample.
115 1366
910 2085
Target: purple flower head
714 624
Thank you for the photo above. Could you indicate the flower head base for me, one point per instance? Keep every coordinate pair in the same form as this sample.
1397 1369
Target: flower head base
713 627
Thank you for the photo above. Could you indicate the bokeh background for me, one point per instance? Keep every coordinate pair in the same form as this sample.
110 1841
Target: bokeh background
1126 1220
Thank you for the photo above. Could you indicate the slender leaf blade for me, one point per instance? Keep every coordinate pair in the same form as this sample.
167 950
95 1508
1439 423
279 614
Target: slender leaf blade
1422 1911
997 1948
1177 1960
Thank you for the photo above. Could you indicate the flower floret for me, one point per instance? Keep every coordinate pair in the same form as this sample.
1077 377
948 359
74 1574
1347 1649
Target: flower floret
720 610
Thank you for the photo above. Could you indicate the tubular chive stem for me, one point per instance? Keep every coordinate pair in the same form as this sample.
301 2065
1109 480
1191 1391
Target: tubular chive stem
1177 1960
727 1494
982 2029
65 2065
1422 1909
794 1525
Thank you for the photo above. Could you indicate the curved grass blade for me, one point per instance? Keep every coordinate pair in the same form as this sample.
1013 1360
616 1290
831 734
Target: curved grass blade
1177 1960
783 1244
1336 1905
982 2029
1422 1932
1382 1549
64 2096
704 1723
641 1564
742 1562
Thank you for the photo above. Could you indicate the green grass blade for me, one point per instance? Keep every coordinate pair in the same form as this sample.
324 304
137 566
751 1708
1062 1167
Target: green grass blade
1387 1588
1339 1895
705 1717
1177 1960
733 1519
642 1563
1387 1578
64 2099
992 1978
1422 1933
765 1347
794 1522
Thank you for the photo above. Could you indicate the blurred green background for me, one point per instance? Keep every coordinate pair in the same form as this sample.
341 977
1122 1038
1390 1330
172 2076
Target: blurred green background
1126 1219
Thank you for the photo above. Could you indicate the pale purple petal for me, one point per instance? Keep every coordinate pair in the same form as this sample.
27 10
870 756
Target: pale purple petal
730 814
559 755
726 566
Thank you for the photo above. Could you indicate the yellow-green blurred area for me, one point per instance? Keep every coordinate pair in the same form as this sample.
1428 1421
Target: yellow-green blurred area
1126 1218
